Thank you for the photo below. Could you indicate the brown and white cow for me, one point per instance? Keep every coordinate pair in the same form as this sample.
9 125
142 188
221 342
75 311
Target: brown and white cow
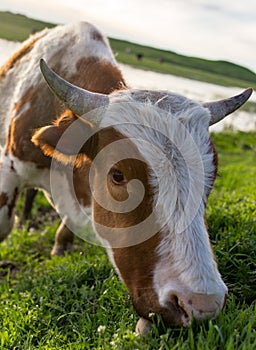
145 161
82 55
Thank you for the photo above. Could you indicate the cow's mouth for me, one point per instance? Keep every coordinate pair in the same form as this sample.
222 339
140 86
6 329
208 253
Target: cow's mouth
172 315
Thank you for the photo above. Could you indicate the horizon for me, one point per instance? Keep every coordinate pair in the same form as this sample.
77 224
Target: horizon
137 43
213 31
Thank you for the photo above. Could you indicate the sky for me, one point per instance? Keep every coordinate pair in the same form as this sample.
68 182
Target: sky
212 29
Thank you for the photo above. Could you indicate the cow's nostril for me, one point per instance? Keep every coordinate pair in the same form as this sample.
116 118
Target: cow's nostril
179 305
173 313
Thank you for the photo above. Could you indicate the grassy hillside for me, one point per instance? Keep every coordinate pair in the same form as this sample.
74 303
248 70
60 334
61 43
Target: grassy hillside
17 27
77 302
218 72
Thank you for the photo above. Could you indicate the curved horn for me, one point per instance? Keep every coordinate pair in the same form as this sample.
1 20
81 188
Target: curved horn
222 108
78 100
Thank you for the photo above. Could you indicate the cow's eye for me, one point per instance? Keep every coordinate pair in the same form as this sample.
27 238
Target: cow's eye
118 177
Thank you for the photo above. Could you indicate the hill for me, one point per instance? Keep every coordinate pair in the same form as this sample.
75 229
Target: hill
17 27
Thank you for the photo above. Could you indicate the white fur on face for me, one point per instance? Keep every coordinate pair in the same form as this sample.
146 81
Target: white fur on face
175 143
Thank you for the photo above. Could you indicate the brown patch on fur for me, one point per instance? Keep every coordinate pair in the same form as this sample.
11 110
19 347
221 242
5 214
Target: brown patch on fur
135 262
81 184
98 75
92 74
3 199
42 110
18 55
72 149
96 35
137 273
132 167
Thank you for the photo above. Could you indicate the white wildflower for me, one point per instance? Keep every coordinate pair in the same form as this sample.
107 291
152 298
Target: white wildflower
101 329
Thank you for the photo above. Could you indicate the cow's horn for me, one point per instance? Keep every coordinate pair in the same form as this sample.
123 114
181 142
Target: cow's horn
222 108
78 100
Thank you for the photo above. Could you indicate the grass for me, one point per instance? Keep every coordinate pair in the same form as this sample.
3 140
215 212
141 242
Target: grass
77 301
216 72
18 27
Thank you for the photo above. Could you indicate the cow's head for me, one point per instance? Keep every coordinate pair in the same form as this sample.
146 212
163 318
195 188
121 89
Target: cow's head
152 168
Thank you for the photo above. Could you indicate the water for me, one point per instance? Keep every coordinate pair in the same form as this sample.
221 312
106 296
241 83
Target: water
7 48
140 79
193 89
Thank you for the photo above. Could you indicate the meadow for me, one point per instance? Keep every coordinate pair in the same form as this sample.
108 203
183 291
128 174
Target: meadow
77 301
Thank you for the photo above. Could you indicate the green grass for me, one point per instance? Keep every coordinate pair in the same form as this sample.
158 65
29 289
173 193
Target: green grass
60 303
17 27
216 72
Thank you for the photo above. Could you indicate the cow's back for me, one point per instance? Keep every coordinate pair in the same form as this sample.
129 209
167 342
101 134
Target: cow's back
74 51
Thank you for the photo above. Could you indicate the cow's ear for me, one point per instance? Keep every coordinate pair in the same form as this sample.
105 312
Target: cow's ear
69 140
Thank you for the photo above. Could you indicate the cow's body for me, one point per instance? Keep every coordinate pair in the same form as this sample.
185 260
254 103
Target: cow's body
84 57
143 159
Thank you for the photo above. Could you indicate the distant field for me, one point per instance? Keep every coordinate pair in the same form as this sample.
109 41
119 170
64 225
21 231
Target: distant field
17 27
216 72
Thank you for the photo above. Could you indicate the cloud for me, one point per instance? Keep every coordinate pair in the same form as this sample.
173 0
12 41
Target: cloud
215 29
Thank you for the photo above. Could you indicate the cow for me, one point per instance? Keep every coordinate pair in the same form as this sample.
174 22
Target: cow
142 160
82 55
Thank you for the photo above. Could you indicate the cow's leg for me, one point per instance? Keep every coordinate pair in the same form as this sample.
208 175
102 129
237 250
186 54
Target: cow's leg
63 240
29 199
64 237
9 191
